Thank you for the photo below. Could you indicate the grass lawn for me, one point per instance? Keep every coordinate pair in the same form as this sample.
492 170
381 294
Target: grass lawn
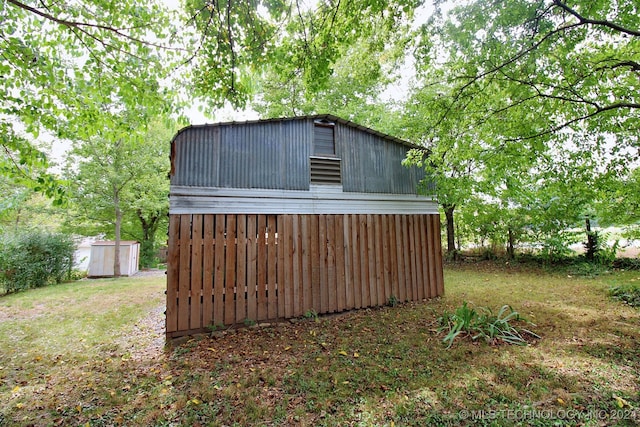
91 353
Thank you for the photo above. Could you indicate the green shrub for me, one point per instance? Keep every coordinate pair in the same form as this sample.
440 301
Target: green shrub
483 324
34 259
627 293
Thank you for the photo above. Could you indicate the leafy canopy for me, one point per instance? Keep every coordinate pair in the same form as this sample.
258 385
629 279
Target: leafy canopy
65 66
563 66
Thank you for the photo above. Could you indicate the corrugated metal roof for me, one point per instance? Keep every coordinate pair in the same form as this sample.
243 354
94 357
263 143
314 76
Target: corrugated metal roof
329 117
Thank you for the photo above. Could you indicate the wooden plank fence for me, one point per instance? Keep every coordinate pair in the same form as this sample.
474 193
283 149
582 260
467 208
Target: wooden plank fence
225 269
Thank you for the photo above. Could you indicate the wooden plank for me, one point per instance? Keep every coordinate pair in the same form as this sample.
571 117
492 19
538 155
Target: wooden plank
315 264
393 256
207 274
252 266
424 286
230 271
420 260
347 249
406 259
433 287
364 261
195 317
322 250
281 240
185 273
296 308
252 259
219 270
262 268
332 303
438 257
386 258
340 263
289 265
173 268
412 257
307 295
241 268
420 256
379 261
272 264
356 253
428 256
371 260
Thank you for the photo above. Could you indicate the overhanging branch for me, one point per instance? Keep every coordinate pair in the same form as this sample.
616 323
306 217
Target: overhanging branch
119 32
598 22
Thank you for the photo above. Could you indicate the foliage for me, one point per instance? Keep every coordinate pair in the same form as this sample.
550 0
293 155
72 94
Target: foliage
21 208
67 68
619 200
482 324
121 180
561 65
628 293
353 89
33 259
236 41
523 106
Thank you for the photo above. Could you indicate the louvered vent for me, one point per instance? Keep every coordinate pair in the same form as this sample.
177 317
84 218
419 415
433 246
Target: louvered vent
325 171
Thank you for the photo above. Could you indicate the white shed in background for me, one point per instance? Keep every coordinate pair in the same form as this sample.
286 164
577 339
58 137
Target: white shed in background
103 254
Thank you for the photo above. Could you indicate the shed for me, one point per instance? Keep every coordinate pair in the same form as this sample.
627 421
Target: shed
278 218
103 254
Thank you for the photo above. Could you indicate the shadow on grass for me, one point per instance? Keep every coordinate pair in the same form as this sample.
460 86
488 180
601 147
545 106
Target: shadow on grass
371 367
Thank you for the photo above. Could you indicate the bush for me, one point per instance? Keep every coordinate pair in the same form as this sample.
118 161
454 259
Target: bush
34 259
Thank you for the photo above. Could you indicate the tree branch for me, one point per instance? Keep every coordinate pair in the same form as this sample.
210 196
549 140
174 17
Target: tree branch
598 22
599 110
502 65
635 66
81 25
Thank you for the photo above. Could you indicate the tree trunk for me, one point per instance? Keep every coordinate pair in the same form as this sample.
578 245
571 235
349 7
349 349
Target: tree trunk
116 255
591 245
510 245
451 236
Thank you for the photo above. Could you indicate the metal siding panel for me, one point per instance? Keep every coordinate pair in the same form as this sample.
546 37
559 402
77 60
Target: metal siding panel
372 164
296 137
195 160
349 151
375 181
275 155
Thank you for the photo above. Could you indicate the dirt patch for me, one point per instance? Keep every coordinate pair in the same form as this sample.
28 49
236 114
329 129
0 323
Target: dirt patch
151 272
146 339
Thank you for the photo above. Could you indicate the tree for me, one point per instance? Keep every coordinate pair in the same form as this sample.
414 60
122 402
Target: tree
120 179
62 63
353 90
522 98
147 203
237 40
568 66
454 155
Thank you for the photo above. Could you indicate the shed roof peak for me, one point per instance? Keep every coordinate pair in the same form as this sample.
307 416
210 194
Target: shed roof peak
324 117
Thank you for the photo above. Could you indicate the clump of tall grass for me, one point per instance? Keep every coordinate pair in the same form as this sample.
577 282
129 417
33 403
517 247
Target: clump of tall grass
483 324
